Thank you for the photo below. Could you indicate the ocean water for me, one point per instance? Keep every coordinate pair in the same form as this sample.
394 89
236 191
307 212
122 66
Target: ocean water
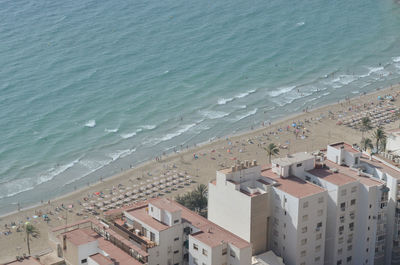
90 87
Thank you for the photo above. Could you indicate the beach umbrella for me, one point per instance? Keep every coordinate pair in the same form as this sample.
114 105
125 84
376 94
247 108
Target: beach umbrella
127 200
169 178
103 209
175 182
149 186
128 194
135 191
148 192
162 181
155 189
121 197
106 202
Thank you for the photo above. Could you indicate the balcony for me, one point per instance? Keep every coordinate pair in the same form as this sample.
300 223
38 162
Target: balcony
143 242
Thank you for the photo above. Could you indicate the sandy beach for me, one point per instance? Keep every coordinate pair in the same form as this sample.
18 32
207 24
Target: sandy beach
318 128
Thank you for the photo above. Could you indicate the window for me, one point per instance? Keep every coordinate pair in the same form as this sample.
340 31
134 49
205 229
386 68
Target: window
356 160
318 248
305 204
320 212
342 206
320 199
319 225
176 221
205 252
232 253
353 189
349 247
304 241
348 259
343 192
317 259
318 236
276 221
195 247
176 251
339 262
339 252
341 229
152 236
353 202
151 208
340 240
195 261
304 230
303 253
84 261
224 251
299 165
176 238
351 226
305 218
275 233
367 250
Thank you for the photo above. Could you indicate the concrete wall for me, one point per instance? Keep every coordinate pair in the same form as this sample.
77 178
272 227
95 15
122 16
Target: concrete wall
224 203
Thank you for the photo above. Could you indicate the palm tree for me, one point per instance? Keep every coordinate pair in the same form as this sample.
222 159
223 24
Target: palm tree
383 144
30 231
365 125
366 143
200 195
272 150
379 135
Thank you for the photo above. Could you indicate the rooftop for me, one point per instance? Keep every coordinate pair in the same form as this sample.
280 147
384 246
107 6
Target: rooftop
101 260
141 213
292 159
166 205
210 234
81 236
353 173
293 185
338 179
382 166
119 256
346 147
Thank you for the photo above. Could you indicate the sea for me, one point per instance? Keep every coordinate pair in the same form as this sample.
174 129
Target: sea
92 87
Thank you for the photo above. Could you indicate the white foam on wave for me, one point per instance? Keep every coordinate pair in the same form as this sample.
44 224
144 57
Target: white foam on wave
223 101
213 114
182 130
396 59
149 127
301 23
245 115
128 135
111 130
121 153
90 123
18 186
281 91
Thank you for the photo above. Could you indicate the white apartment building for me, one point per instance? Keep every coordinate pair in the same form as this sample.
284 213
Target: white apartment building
272 211
393 141
338 192
175 235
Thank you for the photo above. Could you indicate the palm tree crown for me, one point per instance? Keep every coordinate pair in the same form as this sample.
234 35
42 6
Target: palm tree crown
365 125
379 136
366 143
272 150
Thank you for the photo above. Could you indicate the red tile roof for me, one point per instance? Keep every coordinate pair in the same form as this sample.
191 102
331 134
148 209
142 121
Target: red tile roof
166 205
101 260
293 185
338 179
141 214
81 236
346 147
210 234
28 261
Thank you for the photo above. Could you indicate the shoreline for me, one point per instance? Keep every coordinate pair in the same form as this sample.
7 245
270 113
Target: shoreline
172 155
319 130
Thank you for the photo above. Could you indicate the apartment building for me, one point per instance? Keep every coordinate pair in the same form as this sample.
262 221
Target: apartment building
155 232
273 209
339 192
172 234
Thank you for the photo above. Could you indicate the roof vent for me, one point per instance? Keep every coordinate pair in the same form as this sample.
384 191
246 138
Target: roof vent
254 162
335 170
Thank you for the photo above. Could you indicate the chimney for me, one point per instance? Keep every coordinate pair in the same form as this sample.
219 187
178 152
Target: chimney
247 163
64 242
254 162
342 147
242 165
233 168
